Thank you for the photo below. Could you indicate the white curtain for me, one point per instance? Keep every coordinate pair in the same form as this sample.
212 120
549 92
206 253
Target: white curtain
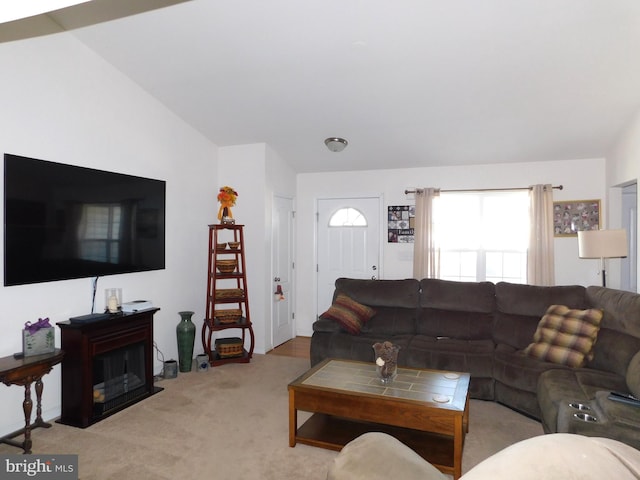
540 257
426 252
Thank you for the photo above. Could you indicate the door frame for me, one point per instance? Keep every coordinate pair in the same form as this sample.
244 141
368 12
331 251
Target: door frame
382 219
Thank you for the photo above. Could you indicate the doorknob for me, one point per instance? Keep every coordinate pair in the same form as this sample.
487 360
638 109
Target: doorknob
373 277
276 279
374 268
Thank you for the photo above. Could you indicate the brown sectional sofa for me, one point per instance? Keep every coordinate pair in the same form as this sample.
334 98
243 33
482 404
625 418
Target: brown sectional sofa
482 328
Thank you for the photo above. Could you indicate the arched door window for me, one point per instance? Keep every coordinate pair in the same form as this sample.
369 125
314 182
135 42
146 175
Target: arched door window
348 217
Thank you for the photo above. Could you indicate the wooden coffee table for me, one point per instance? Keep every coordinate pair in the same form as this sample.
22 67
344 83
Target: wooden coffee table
428 410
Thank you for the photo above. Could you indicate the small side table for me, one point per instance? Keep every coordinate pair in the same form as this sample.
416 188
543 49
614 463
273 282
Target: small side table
24 371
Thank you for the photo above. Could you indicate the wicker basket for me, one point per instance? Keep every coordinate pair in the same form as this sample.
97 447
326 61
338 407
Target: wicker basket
234 245
229 293
228 316
227 266
221 246
229 347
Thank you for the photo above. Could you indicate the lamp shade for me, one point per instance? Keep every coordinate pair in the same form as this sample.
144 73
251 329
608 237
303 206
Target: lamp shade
602 243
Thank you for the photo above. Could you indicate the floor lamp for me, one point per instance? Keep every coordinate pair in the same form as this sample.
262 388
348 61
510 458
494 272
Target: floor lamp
602 244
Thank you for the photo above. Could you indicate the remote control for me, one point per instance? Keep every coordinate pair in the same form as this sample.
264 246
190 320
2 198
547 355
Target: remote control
628 396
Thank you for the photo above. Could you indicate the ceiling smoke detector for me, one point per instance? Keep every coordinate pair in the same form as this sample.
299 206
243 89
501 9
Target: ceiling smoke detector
336 144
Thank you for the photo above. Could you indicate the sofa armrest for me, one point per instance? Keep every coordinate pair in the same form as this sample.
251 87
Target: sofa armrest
325 325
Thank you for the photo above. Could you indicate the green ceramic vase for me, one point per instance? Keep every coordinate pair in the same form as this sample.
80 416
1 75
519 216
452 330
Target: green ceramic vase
186 335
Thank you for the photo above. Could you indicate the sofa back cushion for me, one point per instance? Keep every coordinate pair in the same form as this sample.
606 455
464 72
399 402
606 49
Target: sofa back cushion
461 310
621 309
380 293
520 308
613 351
391 321
396 303
619 337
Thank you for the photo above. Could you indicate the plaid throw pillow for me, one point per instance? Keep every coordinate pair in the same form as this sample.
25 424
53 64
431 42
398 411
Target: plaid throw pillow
350 314
566 336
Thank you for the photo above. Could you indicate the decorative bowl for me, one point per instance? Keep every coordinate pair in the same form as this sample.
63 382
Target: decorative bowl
227 266
234 245
221 246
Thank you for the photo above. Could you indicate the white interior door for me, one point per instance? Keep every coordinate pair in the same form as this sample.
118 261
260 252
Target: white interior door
282 261
348 243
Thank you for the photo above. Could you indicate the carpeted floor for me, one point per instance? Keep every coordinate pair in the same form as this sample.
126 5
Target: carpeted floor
232 423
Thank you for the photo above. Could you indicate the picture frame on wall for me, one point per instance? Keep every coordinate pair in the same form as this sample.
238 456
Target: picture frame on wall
400 227
572 216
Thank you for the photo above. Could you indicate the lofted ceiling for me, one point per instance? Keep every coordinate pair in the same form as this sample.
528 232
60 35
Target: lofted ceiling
408 83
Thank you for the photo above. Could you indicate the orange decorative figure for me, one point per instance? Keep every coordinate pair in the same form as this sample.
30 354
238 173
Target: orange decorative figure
227 198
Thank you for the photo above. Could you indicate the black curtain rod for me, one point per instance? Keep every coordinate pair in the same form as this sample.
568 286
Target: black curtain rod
557 187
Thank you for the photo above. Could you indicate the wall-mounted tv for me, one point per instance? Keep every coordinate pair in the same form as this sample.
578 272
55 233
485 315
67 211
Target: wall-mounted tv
63 221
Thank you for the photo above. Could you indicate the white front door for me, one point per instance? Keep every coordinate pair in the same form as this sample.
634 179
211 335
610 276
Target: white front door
348 243
282 261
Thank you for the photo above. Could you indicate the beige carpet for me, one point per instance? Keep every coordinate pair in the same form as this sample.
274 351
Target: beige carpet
232 423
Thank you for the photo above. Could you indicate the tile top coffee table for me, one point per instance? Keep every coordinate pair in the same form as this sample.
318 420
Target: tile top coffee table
426 409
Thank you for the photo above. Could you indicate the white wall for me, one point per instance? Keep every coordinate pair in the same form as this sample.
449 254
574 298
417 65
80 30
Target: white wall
623 165
257 173
582 179
62 103
281 181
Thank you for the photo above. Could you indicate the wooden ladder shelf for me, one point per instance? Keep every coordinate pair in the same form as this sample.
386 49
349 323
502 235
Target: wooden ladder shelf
227 297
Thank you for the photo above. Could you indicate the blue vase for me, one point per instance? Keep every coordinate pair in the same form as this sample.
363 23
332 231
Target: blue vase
186 335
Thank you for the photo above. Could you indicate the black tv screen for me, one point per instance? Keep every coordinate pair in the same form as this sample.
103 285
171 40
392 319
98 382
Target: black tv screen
64 221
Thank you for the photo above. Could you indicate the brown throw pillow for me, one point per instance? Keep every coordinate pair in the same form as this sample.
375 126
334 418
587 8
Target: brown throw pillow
350 314
566 336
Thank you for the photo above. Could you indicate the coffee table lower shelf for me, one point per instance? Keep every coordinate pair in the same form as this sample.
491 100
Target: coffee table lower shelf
333 433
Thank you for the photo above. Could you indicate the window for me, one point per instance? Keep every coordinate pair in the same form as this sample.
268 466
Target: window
483 236
348 217
99 232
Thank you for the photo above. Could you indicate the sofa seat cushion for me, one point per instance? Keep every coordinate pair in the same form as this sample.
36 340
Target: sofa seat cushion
473 356
345 346
515 369
556 387
350 314
454 345
565 335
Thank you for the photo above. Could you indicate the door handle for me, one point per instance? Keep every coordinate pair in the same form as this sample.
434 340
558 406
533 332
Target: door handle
276 279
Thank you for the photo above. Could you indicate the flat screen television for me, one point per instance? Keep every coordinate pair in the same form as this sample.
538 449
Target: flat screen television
64 221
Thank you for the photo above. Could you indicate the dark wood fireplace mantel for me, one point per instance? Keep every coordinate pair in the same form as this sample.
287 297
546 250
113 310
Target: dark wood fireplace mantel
89 345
